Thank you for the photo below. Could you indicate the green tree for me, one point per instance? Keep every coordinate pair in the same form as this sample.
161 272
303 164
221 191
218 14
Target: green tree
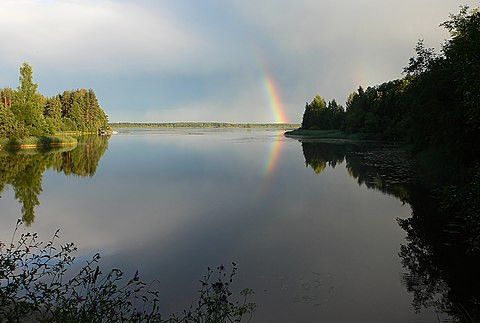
312 113
53 113
28 103
81 111
26 112
335 116
6 96
9 125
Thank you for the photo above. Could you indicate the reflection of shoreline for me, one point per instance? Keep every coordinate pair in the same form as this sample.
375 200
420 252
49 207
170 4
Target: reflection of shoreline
23 170
38 143
39 150
52 145
382 167
441 255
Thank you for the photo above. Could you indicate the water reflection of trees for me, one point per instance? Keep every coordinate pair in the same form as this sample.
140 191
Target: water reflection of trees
83 160
23 171
381 167
441 255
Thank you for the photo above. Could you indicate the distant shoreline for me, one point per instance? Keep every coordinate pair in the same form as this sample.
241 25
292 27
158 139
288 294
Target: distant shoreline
283 126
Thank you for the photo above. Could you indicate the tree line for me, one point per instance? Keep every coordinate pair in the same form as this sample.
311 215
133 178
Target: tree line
25 112
435 104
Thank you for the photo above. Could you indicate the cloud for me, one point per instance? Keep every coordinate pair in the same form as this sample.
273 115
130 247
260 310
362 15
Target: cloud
199 60
101 36
333 46
248 104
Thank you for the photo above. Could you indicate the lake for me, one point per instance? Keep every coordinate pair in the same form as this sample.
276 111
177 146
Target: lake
313 226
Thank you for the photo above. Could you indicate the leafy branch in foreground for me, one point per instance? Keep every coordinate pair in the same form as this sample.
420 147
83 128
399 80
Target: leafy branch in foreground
37 283
214 304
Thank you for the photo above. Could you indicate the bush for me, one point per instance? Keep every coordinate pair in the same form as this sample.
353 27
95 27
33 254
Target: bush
34 287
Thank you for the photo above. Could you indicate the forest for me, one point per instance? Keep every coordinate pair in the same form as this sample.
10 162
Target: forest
24 112
435 105
435 111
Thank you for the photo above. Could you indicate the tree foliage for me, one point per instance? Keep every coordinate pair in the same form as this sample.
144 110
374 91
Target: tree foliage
25 112
435 105
320 115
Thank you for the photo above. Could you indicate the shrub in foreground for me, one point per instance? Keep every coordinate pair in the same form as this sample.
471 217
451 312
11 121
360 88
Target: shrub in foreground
37 284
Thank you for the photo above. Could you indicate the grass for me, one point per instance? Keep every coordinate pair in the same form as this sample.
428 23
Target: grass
37 142
324 134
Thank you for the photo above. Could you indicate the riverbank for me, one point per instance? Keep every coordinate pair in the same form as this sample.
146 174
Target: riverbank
75 133
37 142
324 134
197 125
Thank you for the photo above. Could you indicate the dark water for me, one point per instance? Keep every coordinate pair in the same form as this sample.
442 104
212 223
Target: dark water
313 226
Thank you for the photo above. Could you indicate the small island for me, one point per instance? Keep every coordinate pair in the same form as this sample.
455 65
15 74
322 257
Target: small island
30 120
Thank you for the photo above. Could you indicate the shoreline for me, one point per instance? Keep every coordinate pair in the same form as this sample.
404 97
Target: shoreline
74 133
335 135
202 125
324 134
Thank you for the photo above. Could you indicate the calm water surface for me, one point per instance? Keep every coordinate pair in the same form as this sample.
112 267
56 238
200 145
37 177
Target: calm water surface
312 226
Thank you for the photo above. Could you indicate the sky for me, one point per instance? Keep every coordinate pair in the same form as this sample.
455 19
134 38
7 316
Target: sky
215 60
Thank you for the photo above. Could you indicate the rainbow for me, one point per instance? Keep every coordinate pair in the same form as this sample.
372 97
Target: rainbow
271 89
278 111
275 99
